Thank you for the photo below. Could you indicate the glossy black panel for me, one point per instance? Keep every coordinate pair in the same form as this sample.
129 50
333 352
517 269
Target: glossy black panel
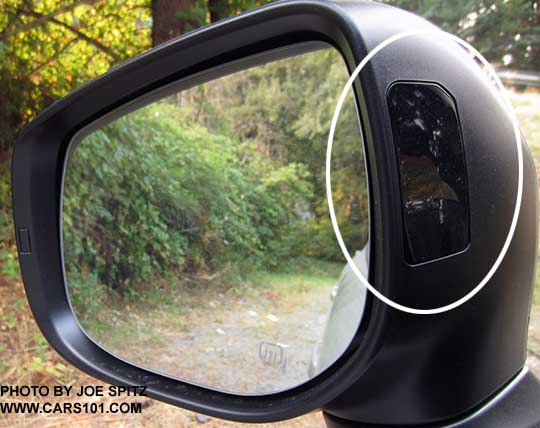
432 170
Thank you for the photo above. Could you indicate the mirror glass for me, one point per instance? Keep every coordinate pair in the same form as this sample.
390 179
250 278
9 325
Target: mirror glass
196 235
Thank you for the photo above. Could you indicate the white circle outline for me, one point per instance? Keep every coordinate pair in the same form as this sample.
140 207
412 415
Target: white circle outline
509 110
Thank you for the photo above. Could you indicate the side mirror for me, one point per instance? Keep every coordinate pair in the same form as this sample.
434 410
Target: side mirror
173 231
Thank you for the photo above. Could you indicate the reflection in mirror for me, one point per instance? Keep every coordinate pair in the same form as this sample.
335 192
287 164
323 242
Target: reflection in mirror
196 235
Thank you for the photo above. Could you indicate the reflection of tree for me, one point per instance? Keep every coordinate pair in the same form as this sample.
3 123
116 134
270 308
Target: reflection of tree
285 108
432 170
422 181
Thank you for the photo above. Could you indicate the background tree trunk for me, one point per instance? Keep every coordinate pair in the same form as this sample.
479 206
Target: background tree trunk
171 18
218 9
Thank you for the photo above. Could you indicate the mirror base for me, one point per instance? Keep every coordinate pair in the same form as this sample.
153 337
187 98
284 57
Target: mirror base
517 405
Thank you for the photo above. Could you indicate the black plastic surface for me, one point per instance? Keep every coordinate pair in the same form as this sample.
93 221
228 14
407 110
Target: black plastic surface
434 192
451 362
515 406
407 369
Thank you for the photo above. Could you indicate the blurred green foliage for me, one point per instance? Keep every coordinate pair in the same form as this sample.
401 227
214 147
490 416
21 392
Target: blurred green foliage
504 31
49 47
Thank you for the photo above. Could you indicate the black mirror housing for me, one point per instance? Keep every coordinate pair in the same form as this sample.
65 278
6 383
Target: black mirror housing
453 361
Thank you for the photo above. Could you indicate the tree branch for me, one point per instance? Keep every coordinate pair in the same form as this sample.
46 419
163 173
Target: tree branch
53 57
21 27
77 32
11 22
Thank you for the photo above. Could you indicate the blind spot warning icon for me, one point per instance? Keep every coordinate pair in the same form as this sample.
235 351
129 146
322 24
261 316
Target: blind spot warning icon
273 354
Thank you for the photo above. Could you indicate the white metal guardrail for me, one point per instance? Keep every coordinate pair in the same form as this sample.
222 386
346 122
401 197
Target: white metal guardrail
519 78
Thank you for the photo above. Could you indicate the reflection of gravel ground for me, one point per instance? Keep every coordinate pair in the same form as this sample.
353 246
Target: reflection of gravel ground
224 353
219 342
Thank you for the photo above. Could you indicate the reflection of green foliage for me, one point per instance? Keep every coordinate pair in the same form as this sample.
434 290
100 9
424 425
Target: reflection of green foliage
145 196
286 107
